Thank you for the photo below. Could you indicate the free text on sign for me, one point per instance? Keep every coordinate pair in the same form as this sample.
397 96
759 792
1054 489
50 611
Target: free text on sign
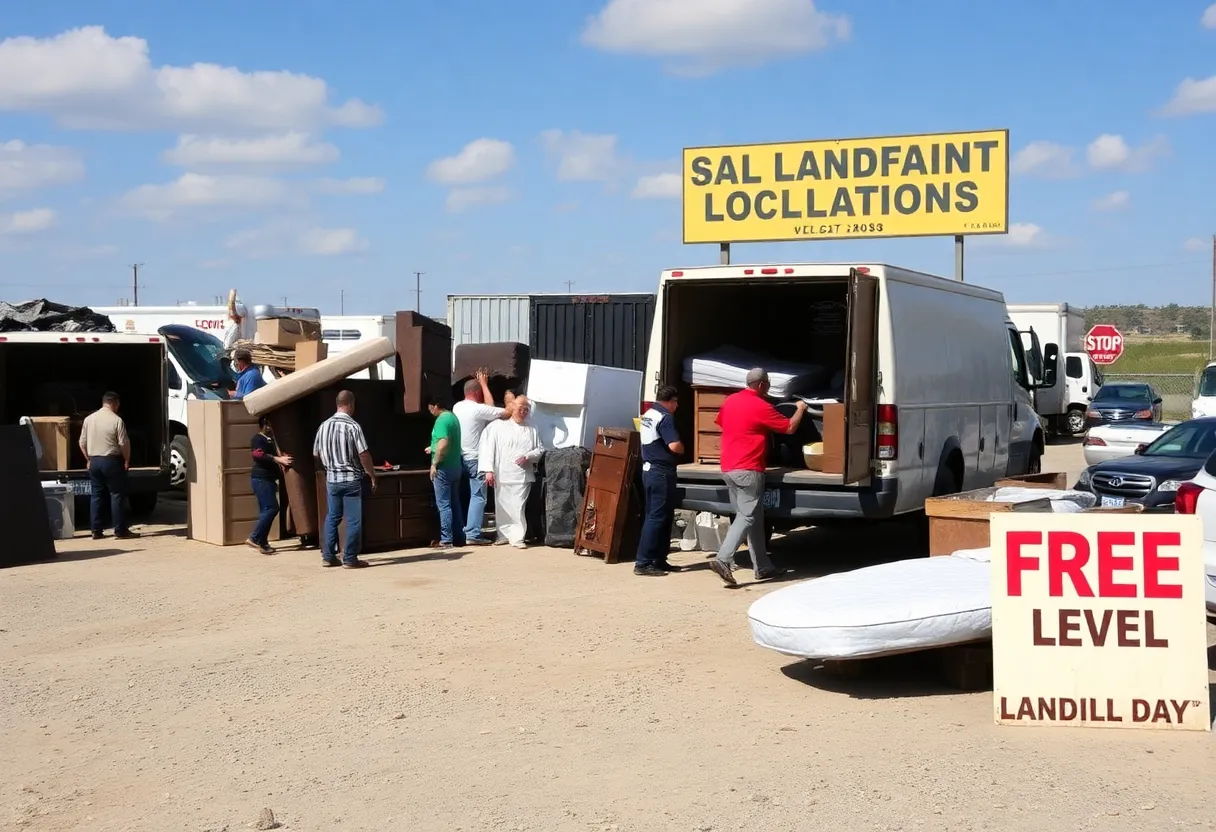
1098 620
897 186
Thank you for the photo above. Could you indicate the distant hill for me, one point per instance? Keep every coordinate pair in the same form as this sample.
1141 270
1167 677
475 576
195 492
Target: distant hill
1171 321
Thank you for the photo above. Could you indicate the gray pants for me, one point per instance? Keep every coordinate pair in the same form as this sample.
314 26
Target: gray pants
747 496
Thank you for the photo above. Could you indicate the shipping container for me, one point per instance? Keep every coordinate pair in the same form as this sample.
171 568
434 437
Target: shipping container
488 319
608 330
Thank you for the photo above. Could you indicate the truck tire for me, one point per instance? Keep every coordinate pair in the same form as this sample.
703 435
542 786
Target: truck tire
1035 466
179 456
1076 421
143 503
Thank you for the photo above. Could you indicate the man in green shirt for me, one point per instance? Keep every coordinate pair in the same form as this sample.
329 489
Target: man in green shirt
446 471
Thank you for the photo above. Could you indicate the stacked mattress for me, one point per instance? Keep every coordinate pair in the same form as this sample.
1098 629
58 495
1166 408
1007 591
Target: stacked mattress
727 367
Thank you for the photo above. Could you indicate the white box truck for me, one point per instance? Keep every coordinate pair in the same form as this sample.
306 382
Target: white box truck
1062 406
937 385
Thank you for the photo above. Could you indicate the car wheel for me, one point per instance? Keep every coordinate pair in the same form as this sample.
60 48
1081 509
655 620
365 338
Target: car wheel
1076 421
179 454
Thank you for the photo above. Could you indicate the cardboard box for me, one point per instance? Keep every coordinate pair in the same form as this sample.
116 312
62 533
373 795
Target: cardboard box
832 459
285 332
310 352
54 435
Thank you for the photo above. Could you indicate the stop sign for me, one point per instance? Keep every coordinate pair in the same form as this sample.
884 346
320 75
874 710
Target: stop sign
1104 344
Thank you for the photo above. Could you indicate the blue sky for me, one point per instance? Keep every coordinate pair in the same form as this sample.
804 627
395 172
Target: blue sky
311 150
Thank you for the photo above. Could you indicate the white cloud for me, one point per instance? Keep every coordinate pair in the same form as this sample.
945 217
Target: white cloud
1191 97
1022 235
196 190
1208 21
1197 244
1046 159
1115 201
356 185
659 186
287 149
217 263
27 222
284 238
1112 152
461 199
585 157
84 78
700 37
25 167
477 161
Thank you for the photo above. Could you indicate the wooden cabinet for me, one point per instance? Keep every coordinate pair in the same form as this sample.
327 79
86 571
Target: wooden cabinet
424 360
610 520
223 509
707 440
401 513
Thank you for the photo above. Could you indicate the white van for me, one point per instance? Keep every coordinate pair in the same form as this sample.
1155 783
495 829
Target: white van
936 389
343 332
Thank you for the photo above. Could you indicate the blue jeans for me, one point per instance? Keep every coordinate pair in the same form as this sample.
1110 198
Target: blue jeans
107 476
345 499
447 500
477 501
659 503
267 493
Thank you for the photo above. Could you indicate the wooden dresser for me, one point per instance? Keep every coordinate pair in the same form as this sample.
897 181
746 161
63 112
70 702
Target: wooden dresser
400 515
707 438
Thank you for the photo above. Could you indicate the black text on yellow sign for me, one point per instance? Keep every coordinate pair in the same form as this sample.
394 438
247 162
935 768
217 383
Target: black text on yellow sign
897 186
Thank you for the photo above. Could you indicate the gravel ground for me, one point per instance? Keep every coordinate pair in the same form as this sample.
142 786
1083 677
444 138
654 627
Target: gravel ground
174 685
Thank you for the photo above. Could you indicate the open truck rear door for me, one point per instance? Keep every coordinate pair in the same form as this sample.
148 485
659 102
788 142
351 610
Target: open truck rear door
861 376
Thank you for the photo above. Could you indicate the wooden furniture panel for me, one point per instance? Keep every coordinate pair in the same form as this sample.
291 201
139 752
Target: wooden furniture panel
424 360
707 441
399 515
1054 481
222 506
610 520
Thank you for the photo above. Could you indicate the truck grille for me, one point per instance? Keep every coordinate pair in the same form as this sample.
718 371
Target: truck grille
1118 415
1130 486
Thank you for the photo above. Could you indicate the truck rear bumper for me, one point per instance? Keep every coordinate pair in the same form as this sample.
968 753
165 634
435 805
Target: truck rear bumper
139 480
876 500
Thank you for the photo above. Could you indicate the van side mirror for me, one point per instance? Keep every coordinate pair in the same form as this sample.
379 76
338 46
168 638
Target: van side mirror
1157 400
1051 362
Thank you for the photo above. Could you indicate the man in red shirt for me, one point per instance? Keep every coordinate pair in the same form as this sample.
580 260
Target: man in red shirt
747 418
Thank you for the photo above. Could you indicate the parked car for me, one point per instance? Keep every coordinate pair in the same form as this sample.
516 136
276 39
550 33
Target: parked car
1121 439
1198 496
1123 402
1154 473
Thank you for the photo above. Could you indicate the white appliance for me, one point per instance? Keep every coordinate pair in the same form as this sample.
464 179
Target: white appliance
571 401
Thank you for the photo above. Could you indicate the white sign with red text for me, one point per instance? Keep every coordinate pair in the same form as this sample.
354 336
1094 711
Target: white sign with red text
1098 620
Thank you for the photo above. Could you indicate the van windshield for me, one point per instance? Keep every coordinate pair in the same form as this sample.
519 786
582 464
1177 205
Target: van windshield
1207 382
200 354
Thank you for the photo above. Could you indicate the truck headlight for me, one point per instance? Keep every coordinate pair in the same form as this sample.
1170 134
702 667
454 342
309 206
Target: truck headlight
1169 485
1084 478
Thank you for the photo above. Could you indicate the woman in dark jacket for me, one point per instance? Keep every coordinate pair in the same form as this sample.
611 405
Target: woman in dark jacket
265 479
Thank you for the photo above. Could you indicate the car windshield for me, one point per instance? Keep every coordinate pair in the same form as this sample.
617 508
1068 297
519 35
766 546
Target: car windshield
1123 393
1207 382
200 354
1190 439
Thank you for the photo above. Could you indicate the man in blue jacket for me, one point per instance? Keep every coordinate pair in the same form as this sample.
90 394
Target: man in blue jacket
248 377
661 448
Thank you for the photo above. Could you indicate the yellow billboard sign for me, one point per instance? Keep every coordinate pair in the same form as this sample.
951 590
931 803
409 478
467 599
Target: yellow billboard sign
895 186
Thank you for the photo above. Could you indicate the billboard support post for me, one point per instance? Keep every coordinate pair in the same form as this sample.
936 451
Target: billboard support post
724 254
958 257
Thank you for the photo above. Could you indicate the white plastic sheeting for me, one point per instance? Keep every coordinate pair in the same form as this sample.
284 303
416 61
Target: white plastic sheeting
880 610
728 366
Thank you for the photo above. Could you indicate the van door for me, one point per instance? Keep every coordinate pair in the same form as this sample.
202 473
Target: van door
860 376
1023 421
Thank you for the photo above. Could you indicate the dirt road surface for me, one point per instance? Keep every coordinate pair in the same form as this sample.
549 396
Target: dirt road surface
169 685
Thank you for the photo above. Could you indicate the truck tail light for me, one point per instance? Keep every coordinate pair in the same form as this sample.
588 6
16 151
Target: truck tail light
645 406
1095 442
1186 498
888 432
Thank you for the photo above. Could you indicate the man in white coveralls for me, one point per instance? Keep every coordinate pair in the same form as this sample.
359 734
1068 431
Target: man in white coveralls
508 459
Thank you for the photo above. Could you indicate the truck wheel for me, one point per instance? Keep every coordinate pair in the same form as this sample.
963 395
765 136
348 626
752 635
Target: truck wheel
1035 466
179 455
143 504
1076 421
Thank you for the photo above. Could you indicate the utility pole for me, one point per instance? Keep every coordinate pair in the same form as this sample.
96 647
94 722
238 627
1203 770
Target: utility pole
341 301
569 287
135 283
284 300
418 292
1212 322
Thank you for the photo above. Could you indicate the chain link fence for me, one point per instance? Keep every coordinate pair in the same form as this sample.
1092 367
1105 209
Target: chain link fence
1176 390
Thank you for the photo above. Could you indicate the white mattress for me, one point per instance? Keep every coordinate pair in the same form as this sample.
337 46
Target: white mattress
1062 502
880 610
728 366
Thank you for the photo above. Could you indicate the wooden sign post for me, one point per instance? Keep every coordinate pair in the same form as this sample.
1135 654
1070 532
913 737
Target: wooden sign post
1098 620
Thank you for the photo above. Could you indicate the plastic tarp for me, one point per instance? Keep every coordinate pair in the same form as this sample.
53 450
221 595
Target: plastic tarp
284 391
880 610
46 316
1062 502
727 367
565 483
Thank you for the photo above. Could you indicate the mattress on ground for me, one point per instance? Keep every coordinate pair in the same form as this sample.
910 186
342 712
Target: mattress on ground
879 610
317 376
503 358
727 367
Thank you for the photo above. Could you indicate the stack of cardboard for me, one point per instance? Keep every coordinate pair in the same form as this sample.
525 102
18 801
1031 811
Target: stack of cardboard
288 343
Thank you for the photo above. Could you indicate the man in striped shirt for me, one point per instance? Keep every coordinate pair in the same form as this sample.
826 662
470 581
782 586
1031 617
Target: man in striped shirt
341 449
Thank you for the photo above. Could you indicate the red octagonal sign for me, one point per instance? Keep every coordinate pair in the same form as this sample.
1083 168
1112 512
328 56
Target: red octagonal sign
1104 344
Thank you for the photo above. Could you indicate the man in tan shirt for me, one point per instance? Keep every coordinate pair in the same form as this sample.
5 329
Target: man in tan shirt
107 453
